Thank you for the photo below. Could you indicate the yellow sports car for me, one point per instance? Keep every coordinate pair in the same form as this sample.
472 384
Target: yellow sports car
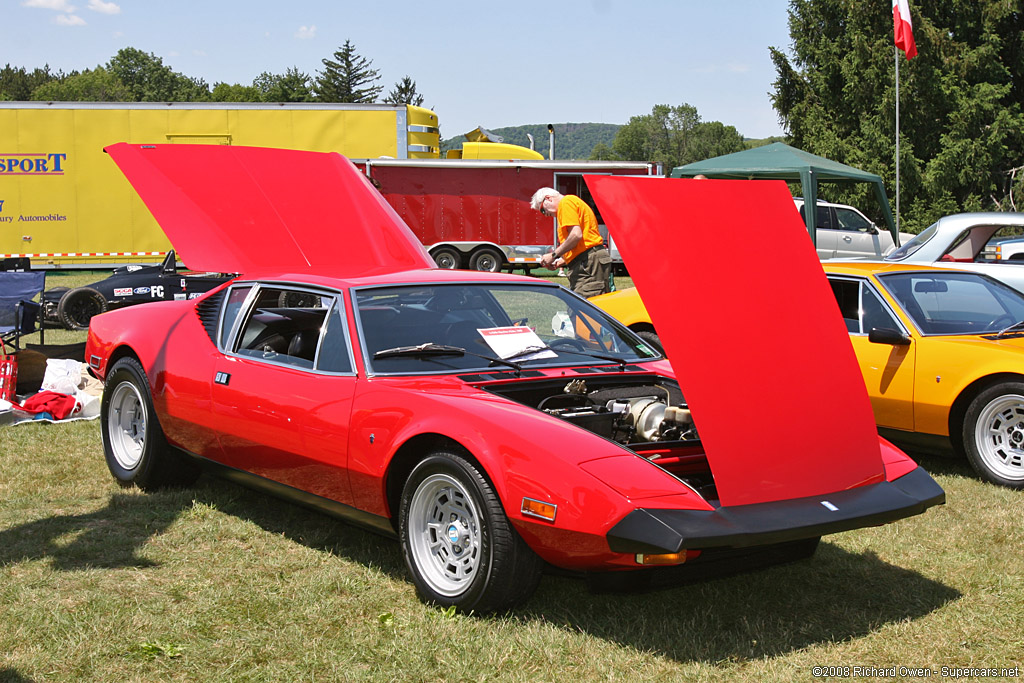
941 351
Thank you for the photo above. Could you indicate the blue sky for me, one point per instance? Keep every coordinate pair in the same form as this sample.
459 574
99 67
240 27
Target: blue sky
476 63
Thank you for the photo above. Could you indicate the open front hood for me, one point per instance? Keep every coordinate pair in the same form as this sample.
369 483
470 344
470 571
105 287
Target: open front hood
748 320
239 209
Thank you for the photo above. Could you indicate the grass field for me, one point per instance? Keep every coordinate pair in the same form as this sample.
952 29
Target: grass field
217 583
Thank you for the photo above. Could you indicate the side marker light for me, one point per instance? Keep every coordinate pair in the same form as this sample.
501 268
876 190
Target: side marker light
539 509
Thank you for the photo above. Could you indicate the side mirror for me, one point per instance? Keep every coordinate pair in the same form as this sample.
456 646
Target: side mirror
885 335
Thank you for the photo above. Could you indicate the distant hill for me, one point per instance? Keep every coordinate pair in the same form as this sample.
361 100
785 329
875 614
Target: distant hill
572 140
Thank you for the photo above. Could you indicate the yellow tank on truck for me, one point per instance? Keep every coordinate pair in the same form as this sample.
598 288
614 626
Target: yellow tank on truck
64 204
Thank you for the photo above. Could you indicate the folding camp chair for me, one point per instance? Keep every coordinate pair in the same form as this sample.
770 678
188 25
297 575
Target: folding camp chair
18 313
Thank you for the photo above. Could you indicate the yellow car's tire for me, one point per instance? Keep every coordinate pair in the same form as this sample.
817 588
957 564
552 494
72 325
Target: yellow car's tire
993 434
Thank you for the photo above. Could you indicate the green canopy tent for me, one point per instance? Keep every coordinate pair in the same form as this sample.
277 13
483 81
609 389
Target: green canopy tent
782 162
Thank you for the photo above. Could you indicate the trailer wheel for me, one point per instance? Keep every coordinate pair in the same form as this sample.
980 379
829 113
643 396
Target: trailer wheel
447 258
487 260
78 306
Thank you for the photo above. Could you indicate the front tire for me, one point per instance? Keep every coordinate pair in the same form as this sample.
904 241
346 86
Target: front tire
136 451
447 258
458 544
993 434
78 306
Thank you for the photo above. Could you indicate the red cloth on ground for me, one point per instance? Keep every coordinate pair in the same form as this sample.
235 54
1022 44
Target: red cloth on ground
58 405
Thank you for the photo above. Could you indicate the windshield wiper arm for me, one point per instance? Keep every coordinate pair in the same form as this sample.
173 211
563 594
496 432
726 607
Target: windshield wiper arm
1016 325
428 349
432 349
618 360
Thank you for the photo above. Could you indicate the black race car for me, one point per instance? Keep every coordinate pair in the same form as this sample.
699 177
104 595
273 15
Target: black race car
72 309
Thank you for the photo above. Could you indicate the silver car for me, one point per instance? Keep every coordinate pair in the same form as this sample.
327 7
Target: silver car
967 241
844 232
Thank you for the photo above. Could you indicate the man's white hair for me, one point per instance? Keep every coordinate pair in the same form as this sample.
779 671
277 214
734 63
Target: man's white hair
540 195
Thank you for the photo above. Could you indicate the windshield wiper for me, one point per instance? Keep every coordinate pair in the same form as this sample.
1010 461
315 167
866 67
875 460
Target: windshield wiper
1016 325
618 360
432 349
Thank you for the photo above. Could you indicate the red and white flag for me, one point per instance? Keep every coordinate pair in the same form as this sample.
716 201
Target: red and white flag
903 28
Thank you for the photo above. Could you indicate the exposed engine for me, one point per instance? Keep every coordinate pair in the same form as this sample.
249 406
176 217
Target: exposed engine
647 415
627 413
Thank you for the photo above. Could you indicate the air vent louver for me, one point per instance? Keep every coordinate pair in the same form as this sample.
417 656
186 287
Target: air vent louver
208 311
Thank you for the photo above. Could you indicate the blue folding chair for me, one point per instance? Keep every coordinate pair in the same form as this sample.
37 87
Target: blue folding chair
18 313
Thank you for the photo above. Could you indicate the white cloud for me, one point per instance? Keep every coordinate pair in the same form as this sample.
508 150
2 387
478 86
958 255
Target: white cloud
58 5
70 20
306 32
104 7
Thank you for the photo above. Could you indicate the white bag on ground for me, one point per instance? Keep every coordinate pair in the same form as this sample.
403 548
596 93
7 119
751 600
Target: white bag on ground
62 375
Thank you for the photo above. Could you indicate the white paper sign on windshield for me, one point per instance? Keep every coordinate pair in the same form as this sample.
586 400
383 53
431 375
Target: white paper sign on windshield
507 342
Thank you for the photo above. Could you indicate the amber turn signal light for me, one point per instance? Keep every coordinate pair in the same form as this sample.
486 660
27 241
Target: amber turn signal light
663 559
539 509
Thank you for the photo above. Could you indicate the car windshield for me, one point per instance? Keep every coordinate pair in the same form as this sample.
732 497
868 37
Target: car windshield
956 303
913 244
460 327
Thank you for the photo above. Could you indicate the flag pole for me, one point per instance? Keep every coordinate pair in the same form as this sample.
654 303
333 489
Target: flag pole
896 55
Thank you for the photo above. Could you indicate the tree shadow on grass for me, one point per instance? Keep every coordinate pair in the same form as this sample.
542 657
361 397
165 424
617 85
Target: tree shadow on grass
13 676
112 537
109 537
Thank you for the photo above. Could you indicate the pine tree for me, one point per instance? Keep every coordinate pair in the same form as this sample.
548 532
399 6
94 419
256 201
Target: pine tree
348 77
404 92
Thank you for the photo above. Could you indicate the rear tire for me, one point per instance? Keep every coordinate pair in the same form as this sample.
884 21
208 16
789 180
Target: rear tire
136 451
993 434
459 546
78 306
486 260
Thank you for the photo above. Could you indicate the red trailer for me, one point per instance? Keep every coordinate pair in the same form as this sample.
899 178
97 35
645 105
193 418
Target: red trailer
476 214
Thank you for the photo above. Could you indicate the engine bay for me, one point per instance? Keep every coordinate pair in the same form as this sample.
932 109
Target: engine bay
618 414
647 415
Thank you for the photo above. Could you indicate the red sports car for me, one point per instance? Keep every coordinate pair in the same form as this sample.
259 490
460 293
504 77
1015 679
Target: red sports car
493 423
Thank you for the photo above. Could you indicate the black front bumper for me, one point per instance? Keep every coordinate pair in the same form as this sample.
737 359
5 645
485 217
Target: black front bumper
670 531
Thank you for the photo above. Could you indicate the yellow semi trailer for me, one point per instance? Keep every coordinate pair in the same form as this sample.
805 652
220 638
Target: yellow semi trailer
64 204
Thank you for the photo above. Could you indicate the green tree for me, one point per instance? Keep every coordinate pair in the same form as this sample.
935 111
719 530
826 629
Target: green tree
404 92
92 85
961 121
17 83
291 86
148 80
225 92
348 77
673 136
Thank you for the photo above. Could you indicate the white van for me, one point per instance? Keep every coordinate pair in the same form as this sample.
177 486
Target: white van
844 232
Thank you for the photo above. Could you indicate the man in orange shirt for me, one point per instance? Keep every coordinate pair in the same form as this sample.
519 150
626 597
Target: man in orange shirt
580 246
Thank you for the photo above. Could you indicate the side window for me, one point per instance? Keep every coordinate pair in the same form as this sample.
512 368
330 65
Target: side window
334 352
284 326
232 307
874 313
824 218
847 293
860 306
851 220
